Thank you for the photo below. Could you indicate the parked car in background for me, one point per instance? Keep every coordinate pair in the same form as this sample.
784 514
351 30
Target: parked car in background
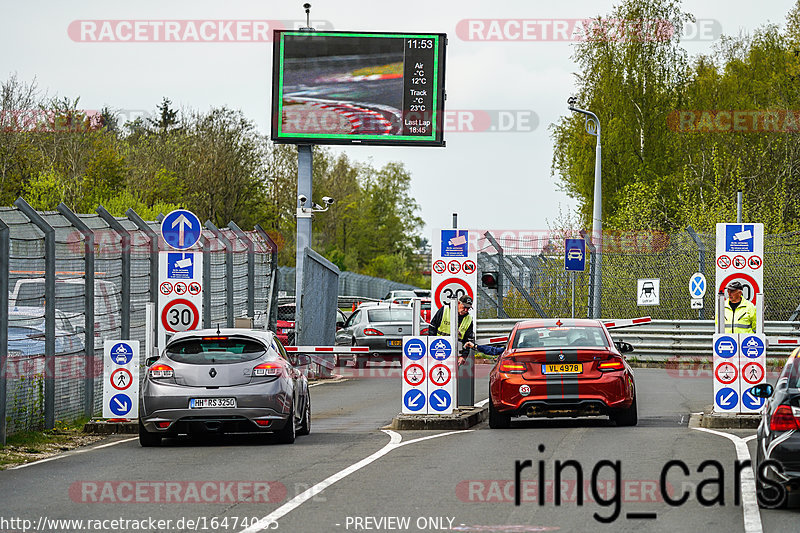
380 326
400 296
26 333
29 292
285 327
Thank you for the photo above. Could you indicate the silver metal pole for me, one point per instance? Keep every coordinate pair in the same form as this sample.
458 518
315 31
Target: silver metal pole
721 313
739 207
573 294
416 307
597 226
759 312
455 220
304 187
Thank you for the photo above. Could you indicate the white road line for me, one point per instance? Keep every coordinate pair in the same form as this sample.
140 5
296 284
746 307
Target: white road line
71 453
394 443
752 517
482 403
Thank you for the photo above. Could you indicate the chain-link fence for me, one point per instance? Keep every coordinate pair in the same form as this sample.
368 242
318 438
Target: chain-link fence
532 281
350 284
75 280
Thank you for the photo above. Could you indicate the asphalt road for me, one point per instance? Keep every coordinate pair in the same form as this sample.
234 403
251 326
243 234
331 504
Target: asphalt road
349 475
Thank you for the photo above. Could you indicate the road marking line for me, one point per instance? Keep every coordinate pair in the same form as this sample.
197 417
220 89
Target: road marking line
752 517
482 403
396 441
71 453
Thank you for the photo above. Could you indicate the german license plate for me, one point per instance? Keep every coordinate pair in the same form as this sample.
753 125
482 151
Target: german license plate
394 343
202 403
564 368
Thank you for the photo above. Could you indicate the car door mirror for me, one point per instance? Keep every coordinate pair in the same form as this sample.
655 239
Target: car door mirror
303 360
762 390
623 347
150 360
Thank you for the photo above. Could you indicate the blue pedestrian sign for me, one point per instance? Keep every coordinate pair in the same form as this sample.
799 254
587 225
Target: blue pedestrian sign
441 349
120 404
181 229
739 237
752 347
574 255
440 400
727 398
414 400
121 353
725 346
697 285
752 402
414 349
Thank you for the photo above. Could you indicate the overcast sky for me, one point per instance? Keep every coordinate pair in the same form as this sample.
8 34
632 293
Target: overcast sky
493 180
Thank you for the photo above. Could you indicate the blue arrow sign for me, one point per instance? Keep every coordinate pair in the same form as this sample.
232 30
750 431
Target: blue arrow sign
725 346
441 349
181 229
414 349
120 404
752 402
575 255
727 398
121 353
697 285
752 347
440 400
414 400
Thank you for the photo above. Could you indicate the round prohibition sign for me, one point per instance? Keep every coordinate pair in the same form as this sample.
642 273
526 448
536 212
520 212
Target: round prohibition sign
165 288
439 375
739 262
468 267
414 374
121 378
723 262
754 262
726 373
180 288
753 373
439 266
194 288
451 288
180 315
454 267
750 289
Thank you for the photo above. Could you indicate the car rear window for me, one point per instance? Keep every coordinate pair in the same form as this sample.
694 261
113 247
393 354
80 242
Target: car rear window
389 315
203 351
551 337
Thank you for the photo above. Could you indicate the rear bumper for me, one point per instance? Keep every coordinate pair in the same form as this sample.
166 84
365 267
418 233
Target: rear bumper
562 397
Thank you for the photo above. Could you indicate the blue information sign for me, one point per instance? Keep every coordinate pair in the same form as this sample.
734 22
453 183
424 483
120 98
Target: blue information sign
121 353
727 398
120 404
575 255
181 229
414 400
440 400
441 349
414 349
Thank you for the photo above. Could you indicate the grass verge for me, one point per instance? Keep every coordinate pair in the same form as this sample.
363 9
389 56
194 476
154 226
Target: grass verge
28 446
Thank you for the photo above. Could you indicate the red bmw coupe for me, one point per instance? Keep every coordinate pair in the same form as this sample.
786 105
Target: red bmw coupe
562 367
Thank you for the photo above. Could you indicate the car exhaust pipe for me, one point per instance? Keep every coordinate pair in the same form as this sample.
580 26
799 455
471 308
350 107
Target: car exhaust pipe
213 426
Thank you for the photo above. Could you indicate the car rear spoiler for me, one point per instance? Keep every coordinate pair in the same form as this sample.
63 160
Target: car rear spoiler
609 324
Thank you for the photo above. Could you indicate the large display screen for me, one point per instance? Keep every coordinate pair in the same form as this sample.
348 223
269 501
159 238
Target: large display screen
358 88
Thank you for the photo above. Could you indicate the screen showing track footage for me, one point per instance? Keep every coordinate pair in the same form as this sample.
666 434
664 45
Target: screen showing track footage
358 88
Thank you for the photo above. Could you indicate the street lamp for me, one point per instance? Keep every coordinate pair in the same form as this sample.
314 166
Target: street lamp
593 128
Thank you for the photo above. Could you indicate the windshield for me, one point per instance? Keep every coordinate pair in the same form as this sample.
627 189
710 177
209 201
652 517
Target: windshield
390 315
551 337
215 350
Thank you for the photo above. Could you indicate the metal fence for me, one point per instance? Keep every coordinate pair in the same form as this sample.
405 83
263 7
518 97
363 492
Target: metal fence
350 284
74 280
533 283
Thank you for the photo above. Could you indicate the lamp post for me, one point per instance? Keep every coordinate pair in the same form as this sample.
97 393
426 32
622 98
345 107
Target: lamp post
593 128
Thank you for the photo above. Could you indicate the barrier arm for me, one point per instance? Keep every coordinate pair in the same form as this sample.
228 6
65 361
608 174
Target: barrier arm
319 353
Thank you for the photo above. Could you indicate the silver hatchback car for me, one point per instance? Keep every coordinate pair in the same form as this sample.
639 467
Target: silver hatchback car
224 381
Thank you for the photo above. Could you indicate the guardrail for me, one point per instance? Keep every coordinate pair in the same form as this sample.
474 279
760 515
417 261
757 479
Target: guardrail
667 338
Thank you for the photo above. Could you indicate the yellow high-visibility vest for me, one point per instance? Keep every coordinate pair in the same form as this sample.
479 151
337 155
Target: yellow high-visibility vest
444 327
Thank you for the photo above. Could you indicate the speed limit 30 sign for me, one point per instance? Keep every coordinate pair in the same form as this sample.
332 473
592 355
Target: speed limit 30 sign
180 315
453 271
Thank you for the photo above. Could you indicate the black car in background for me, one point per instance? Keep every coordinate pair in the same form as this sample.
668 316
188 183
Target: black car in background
779 436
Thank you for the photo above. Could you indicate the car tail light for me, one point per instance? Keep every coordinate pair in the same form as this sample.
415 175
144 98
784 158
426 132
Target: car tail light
372 331
162 425
611 364
267 369
161 371
782 419
511 367
215 338
263 423
425 331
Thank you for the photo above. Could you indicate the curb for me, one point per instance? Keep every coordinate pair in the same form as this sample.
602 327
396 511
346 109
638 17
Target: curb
462 418
104 427
724 421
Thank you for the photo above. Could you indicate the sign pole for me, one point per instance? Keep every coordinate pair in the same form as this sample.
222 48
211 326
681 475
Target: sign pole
573 294
304 188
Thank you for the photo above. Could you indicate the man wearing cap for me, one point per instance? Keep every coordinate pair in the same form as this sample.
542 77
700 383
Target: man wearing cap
440 323
740 314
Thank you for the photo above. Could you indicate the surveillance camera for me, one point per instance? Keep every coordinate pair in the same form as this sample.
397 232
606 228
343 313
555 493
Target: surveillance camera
316 206
302 198
328 200
572 100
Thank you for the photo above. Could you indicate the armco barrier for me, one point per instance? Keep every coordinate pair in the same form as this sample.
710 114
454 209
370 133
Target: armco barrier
666 338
